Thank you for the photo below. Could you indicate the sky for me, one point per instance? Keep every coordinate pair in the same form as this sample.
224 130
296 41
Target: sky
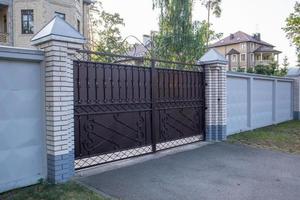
264 16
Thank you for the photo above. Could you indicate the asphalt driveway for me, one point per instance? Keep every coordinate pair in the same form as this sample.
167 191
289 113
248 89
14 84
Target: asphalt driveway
213 172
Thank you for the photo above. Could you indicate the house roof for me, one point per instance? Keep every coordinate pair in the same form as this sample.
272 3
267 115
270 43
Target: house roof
266 49
139 50
233 51
239 37
294 71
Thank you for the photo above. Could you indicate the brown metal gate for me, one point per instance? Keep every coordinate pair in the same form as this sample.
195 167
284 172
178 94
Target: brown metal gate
123 110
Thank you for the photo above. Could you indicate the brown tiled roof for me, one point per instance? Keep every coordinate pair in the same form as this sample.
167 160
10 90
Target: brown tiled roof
239 37
266 49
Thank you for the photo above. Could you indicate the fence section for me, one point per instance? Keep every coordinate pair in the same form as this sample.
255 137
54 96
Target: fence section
22 138
256 101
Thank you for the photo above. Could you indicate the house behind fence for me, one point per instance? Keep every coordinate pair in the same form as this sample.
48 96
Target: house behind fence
37 103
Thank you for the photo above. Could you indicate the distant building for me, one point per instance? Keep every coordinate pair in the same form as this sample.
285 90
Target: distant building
21 19
138 50
246 51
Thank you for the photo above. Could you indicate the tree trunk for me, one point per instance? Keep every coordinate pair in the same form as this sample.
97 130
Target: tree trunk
208 23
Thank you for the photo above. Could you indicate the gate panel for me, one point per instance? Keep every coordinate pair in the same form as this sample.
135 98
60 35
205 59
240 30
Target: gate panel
112 108
179 106
123 110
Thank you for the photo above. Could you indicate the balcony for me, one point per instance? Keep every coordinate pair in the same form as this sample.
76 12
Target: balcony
4 21
263 62
3 38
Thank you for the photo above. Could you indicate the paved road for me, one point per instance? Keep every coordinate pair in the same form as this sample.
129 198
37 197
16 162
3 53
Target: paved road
213 172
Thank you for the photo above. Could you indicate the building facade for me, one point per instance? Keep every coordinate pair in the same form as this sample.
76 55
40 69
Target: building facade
21 19
245 51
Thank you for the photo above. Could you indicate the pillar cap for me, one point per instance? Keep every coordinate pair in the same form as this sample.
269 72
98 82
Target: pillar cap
212 57
59 30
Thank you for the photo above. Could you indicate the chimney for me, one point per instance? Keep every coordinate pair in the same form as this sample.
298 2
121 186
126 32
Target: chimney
146 39
231 36
256 36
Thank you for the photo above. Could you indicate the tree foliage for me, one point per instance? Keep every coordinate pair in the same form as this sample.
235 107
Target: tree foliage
272 69
105 32
179 37
285 62
292 27
213 6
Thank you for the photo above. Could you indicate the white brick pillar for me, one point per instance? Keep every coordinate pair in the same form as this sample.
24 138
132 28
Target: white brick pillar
215 95
59 41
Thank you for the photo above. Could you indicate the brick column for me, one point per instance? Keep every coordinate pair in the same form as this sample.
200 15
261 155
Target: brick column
59 54
215 95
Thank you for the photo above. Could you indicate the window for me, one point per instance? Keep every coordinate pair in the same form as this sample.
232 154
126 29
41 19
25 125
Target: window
61 15
78 25
27 21
234 58
252 46
252 57
243 46
243 57
4 24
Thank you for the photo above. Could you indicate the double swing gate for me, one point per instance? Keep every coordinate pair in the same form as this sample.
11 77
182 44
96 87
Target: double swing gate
124 110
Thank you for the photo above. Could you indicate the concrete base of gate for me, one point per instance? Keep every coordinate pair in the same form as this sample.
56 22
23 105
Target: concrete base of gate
135 160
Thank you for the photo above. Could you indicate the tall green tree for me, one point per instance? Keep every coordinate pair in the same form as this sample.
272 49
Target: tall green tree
285 63
105 32
179 37
292 28
214 7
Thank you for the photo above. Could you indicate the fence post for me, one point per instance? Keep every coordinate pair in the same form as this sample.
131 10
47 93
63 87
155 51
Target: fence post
59 40
295 74
215 95
274 102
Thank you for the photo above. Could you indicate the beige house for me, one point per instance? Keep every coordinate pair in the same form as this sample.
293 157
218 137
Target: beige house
21 19
246 51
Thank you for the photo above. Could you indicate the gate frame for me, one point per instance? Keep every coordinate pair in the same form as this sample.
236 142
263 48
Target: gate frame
83 57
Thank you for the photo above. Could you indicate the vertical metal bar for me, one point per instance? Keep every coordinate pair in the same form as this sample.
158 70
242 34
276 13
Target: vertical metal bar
132 84
126 84
145 85
139 84
96 83
87 83
104 84
119 84
203 88
178 85
111 84
174 87
153 104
